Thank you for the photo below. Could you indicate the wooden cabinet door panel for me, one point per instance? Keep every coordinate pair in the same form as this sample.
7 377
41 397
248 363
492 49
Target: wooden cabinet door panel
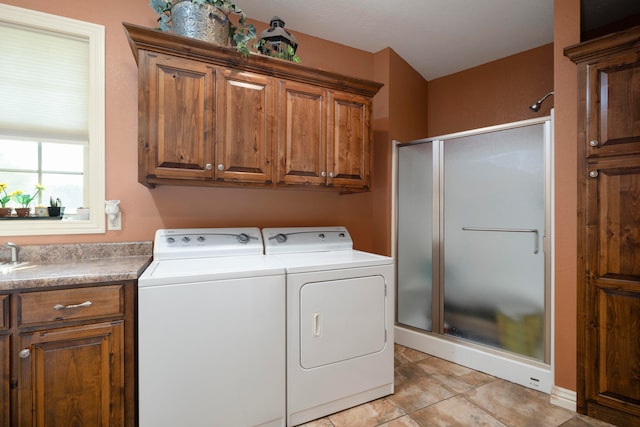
302 145
614 212
180 122
614 106
348 149
5 380
71 376
245 124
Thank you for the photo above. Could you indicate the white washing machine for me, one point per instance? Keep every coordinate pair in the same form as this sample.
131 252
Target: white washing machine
211 331
339 320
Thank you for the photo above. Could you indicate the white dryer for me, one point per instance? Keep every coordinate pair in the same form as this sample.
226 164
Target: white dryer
211 331
339 320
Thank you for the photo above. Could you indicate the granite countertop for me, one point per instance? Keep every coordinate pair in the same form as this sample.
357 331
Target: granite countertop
50 266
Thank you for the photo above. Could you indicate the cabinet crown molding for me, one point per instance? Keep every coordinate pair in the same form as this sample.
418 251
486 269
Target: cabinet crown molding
171 44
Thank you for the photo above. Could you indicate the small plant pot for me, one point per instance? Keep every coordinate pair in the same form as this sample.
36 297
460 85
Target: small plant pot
23 212
4 212
55 211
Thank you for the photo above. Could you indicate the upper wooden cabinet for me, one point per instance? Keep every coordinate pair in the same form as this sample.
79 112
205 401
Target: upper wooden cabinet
208 116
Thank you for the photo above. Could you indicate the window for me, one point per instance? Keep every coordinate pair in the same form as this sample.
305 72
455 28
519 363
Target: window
52 117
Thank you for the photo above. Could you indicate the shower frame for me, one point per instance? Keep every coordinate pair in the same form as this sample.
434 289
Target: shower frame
516 368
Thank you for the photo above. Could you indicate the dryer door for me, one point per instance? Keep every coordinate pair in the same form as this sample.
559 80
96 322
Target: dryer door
341 319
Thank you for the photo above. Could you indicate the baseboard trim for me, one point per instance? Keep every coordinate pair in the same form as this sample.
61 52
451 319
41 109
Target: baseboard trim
564 398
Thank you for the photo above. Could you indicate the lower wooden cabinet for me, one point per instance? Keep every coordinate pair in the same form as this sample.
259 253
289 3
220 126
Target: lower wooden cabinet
71 359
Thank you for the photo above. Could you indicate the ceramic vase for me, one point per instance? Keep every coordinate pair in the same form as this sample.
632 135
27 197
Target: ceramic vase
4 212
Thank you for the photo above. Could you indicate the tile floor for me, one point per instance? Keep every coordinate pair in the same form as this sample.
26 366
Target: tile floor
433 392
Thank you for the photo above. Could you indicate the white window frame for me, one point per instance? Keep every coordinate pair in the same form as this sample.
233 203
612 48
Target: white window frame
95 35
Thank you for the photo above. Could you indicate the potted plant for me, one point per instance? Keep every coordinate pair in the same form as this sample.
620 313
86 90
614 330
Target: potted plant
206 20
4 199
55 207
25 200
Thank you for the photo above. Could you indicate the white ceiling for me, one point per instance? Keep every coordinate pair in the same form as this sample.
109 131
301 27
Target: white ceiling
437 37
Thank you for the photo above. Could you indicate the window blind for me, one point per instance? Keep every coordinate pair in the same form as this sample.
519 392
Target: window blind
44 84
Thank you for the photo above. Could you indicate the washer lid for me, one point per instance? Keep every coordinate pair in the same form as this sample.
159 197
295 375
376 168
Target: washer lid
190 270
306 239
206 242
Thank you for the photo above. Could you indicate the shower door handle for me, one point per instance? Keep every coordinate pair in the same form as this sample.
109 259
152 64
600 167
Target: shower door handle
536 245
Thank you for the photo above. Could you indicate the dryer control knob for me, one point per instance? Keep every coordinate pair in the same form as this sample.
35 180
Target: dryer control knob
201 239
281 238
186 239
171 240
243 237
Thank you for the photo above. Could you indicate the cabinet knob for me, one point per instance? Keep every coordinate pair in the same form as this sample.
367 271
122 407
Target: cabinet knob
593 174
323 174
220 167
208 166
594 143
331 175
24 353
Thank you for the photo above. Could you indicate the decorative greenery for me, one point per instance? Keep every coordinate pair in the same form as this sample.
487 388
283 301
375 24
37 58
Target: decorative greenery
26 199
239 35
289 54
5 196
55 203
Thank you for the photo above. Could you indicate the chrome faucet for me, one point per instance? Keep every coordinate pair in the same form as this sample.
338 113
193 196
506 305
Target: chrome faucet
14 251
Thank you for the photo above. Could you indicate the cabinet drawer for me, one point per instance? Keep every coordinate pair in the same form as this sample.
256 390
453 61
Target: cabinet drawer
4 311
70 304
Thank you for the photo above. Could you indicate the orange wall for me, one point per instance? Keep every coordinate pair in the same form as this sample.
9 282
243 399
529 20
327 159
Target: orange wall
145 210
566 33
491 94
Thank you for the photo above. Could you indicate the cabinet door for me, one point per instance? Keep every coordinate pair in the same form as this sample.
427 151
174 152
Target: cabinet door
348 148
177 138
71 376
302 157
245 127
613 106
612 316
5 380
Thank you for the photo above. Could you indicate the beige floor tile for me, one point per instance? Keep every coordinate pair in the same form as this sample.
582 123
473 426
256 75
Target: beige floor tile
583 421
322 422
456 378
518 406
368 415
405 421
404 355
419 392
454 412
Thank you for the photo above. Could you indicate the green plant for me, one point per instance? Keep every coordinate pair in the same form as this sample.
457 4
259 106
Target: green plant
55 203
5 196
239 35
26 199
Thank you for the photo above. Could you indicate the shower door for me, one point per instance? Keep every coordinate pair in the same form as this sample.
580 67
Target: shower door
471 259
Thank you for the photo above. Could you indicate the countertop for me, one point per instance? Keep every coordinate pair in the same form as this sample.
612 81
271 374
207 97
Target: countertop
51 266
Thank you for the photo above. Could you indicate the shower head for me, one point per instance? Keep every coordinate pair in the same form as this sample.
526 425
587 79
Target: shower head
536 105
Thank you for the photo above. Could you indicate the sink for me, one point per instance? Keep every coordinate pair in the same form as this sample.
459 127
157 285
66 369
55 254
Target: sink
7 267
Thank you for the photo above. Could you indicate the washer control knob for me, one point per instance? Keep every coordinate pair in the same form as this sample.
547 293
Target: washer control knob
281 238
243 238
186 239
342 235
171 240
201 238
322 236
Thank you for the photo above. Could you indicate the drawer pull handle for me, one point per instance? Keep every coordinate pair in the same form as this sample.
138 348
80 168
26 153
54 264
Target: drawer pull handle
70 306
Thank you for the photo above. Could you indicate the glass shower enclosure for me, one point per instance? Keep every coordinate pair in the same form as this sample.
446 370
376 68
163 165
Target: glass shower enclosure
472 238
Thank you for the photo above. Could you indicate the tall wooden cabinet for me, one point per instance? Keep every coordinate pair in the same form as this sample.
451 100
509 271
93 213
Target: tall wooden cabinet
208 116
609 227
